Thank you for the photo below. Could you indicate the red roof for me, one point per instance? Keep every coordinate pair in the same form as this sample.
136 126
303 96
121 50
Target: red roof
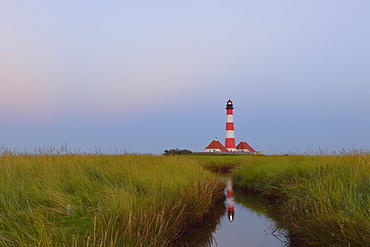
216 144
244 145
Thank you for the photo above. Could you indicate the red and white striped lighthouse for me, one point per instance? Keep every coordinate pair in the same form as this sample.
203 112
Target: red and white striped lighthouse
230 136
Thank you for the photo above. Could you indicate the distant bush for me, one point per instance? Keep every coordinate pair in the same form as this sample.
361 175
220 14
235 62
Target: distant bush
177 152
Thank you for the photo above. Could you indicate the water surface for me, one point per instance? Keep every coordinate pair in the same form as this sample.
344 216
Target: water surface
252 225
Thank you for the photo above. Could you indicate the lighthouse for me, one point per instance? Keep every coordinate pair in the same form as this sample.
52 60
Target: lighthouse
230 135
216 147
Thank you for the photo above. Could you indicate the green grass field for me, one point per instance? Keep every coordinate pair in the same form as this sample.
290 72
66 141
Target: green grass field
97 200
144 200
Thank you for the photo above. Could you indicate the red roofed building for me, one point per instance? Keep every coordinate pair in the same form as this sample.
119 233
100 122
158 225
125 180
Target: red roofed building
216 146
244 147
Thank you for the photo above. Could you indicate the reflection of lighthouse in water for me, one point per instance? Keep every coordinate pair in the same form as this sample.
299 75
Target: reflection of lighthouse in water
230 200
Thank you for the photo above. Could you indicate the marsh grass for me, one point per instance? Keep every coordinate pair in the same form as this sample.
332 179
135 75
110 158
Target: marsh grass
224 163
101 200
324 200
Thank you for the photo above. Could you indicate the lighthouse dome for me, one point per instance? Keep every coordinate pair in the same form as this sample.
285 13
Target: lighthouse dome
229 104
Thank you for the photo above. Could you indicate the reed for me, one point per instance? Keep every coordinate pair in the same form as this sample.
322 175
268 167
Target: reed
324 199
101 200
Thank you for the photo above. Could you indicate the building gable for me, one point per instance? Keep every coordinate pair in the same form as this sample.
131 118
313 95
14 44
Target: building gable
216 146
245 146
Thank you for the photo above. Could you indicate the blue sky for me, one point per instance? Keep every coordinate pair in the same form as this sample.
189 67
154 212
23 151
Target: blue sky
145 76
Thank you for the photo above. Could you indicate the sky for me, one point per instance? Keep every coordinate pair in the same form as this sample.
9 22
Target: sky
144 76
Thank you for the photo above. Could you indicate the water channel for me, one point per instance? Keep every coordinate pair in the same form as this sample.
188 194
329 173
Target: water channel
242 220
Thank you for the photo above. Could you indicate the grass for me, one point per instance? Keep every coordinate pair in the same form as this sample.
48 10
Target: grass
223 163
101 200
324 199
59 198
